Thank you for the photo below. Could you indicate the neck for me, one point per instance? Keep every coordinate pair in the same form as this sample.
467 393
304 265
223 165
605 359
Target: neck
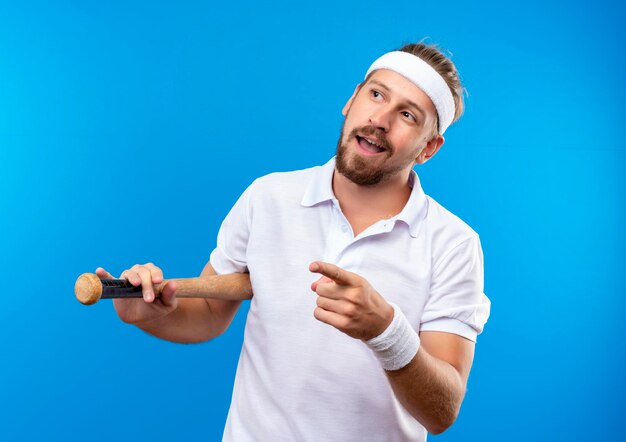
380 201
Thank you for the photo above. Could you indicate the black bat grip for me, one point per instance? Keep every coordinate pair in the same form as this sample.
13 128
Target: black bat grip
119 288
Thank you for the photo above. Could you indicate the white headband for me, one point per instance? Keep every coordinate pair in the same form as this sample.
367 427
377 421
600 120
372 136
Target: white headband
424 76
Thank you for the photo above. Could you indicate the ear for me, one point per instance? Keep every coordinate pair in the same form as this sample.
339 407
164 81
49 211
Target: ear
430 149
346 108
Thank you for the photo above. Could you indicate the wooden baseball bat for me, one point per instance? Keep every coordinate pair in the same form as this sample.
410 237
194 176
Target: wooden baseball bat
89 288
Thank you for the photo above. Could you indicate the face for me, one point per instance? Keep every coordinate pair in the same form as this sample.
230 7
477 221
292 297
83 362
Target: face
387 130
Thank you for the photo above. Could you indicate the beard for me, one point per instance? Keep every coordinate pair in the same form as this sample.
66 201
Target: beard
358 169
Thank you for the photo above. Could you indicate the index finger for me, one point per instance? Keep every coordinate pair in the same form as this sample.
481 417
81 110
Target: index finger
337 274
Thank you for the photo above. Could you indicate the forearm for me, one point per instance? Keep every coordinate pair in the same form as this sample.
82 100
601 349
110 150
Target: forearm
430 389
194 320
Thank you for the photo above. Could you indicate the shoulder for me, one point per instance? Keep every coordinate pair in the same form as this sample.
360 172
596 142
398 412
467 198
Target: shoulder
447 231
281 178
296 180
283 184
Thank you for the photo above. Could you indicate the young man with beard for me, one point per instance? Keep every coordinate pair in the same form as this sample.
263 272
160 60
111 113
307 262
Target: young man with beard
379 345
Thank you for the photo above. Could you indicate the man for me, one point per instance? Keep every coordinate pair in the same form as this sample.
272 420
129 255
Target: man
382 349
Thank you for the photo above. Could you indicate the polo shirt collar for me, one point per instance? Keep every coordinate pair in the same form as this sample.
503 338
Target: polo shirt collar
414 212
320 189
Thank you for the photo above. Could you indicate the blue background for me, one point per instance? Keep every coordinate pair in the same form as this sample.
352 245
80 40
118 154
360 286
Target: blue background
128 129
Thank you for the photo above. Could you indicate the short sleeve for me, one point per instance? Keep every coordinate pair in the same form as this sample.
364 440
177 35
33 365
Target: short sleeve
230 254
456 303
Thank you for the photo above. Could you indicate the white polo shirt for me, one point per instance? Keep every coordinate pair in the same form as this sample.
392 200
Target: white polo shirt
299 379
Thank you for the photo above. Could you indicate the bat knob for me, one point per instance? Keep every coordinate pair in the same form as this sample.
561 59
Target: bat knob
88 288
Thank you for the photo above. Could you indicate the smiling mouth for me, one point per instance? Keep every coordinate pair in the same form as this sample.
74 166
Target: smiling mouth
370 145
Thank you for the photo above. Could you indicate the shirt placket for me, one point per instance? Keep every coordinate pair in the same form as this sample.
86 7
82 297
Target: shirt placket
341 236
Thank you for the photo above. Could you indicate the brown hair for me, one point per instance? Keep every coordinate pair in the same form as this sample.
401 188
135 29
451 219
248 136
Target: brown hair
432 55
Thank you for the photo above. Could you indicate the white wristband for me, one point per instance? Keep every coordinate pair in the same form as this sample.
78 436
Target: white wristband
398 344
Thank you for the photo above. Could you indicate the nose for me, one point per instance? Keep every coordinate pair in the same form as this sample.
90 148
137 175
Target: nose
381 118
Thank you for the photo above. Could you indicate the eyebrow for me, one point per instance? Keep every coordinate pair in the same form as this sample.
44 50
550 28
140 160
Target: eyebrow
409 102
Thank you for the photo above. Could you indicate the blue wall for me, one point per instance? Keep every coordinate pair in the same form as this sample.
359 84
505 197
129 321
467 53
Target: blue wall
127 130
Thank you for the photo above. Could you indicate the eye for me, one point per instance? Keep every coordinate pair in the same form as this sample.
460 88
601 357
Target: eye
409 115
376 94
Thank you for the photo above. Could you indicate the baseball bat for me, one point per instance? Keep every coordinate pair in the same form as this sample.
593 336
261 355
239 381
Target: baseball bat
89 288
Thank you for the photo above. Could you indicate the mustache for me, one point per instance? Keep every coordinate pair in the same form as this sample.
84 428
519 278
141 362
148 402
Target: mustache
372 132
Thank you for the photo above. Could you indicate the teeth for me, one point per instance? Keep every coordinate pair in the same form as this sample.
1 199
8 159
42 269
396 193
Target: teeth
371 142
